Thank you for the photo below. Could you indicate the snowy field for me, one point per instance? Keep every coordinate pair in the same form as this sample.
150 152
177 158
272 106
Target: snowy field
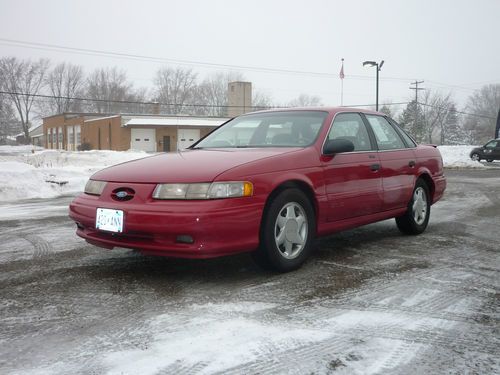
27 172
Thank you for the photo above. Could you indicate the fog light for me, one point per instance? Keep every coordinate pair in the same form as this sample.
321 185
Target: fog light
184 238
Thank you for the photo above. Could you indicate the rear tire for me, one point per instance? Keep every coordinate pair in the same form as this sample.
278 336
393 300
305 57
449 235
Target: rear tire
287 232
489 160
416 217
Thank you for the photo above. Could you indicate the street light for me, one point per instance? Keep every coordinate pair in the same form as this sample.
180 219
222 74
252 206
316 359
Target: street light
378 67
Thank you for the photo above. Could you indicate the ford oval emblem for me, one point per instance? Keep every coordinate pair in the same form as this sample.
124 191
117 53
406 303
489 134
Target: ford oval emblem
121 194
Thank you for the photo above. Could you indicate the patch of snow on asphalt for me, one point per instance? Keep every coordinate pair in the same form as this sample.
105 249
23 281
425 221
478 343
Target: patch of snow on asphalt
214 341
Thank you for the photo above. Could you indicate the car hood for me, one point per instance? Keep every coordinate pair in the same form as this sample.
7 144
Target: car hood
202 165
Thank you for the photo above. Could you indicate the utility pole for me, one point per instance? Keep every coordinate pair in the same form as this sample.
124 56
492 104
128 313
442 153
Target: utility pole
416 88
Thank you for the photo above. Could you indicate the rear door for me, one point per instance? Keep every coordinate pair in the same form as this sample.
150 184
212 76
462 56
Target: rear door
397 160
353 183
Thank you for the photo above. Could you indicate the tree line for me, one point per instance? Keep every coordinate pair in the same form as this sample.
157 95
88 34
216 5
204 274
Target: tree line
436 119
36 88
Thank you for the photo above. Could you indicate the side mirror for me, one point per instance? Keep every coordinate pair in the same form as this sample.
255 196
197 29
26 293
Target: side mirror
336 146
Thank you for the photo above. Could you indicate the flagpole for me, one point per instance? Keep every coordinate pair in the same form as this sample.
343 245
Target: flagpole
342 85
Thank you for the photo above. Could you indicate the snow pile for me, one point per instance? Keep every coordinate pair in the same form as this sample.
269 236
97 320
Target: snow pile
50 173
458 157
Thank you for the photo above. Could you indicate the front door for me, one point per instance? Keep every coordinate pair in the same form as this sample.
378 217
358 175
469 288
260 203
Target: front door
166 143
353 183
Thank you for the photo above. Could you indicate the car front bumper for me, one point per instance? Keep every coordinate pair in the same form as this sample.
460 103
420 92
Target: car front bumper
217 227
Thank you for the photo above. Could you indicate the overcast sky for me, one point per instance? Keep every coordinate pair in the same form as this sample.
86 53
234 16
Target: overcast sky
451 45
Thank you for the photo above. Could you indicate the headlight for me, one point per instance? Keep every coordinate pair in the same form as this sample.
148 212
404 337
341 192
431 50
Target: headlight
215 190
94 187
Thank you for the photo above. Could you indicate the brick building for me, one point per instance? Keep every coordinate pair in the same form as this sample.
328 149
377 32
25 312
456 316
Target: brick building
153 133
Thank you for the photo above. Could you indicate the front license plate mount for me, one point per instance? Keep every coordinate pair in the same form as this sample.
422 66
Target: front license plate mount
109 220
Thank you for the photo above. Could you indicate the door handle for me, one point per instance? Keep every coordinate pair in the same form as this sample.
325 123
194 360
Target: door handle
375 167
411 163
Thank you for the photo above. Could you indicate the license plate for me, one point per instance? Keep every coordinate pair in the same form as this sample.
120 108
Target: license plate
109 220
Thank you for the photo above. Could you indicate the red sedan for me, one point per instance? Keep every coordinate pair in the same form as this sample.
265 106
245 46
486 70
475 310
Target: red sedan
267 182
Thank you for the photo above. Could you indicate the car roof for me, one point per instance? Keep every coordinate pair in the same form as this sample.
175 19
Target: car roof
331 110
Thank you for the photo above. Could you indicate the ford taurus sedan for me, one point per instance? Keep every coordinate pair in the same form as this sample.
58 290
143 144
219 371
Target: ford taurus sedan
267 182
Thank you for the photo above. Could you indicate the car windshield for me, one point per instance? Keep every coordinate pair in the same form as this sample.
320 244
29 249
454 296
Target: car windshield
268 129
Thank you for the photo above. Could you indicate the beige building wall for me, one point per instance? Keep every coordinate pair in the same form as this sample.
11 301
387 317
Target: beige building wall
106 134
65 123
239 95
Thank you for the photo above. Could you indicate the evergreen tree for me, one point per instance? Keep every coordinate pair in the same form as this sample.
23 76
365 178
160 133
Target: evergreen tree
412 120
452 132
385 109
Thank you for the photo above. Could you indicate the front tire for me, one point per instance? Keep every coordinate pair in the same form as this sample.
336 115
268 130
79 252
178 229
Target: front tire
416 217
475 157
287 232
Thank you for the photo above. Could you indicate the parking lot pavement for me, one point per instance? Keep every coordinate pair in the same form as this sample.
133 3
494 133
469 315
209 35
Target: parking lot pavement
369 301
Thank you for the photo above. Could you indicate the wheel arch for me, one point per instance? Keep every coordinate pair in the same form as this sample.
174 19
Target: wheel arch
301 185
426 177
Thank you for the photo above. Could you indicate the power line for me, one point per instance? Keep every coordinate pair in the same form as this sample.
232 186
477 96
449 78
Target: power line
43 96
126 101
129 56
457 111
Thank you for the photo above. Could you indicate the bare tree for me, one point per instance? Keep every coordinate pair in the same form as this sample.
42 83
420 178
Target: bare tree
108 87
484 104
9 125
23 80
212 93
435 108
304 100
261 100
64 82
175 87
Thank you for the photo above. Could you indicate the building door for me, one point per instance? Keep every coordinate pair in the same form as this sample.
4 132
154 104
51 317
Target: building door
166 143
143 139
187 137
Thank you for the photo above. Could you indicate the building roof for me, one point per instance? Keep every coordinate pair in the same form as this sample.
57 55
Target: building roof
174 121
36 131
101 118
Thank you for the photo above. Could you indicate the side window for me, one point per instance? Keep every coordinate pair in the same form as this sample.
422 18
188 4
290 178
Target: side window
491 144
409 140
350 126
386 136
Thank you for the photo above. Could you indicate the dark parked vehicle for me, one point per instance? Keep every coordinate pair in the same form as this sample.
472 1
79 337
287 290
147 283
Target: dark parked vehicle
489 152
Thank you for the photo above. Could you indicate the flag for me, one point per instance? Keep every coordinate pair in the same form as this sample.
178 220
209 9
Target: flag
341 74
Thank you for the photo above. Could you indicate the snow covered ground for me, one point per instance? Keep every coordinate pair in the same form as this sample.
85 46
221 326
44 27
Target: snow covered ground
369 301
26 171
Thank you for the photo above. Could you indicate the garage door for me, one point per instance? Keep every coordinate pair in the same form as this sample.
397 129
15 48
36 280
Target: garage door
143 139
187 137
